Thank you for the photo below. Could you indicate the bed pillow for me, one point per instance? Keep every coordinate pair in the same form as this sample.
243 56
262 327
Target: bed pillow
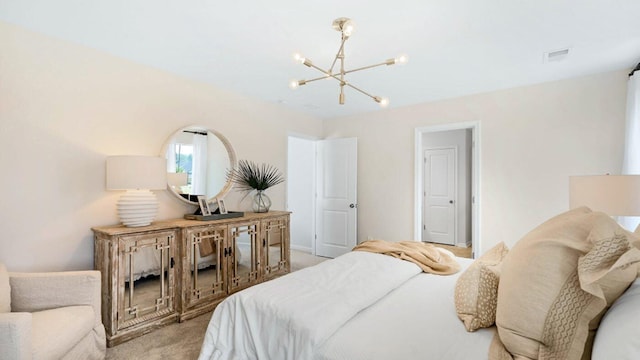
617 337
5 290
557 282
476 292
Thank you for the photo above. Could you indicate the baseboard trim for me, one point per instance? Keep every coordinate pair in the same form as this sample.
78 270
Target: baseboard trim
301 248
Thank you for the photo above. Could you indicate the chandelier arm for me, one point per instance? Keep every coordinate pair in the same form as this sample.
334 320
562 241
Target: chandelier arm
311 65
360 90
321 78
324 77
340 50
327 74
342 82
369 67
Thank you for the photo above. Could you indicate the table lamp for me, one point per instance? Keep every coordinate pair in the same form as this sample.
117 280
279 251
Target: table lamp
138 206
614 195
177 180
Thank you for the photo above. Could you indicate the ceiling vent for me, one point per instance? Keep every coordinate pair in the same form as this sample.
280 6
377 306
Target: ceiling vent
556 55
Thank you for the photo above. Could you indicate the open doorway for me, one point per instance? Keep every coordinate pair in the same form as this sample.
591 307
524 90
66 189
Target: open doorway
301 190
446 187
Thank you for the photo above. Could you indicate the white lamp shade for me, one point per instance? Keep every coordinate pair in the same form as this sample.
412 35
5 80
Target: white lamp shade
177 179
136 172
615 195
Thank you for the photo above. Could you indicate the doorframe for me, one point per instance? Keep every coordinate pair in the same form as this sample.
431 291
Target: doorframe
476 241
455 188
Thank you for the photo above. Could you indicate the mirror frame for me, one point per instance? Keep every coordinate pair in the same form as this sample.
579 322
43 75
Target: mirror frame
233 161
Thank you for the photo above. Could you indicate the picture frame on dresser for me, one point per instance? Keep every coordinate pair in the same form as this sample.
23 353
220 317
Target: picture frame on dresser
221 206
204 205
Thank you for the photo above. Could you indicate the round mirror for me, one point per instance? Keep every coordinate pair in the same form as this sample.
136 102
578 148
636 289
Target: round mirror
197 163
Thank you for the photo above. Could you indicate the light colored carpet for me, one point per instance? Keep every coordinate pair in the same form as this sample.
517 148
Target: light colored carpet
180 341
301 259
457 251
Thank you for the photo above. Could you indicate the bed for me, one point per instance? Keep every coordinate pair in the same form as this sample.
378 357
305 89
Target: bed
389 297
370 306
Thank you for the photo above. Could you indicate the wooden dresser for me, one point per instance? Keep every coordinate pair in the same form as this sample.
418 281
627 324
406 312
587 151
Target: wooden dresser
177 269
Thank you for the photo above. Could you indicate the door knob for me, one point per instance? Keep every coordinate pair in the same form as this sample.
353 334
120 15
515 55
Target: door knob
450 201
352 205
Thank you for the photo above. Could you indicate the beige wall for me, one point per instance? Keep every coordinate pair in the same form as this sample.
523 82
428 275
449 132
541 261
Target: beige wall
531 140
64 108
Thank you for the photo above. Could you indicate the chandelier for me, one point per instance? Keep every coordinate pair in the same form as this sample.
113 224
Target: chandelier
345 27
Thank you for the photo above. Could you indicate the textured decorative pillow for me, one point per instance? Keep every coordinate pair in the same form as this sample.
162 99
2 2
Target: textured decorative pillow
5 290
476 292
557 282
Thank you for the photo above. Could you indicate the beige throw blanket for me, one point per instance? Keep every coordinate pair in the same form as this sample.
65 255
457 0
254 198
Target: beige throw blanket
429 258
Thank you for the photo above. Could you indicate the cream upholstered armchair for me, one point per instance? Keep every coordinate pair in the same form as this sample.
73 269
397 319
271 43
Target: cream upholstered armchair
50 315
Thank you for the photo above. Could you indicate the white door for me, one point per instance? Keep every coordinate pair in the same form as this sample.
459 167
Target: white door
336 215
439 221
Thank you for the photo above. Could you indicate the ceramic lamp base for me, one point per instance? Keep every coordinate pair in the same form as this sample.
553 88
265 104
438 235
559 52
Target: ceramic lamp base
137 208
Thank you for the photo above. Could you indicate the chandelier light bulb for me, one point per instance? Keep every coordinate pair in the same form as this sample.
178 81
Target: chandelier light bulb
384 102
294 84
402 59
299 58
348 28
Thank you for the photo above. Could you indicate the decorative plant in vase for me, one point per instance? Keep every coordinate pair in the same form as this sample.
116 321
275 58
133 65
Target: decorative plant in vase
249 176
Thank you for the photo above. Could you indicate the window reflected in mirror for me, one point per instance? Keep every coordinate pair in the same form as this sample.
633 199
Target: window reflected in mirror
197 163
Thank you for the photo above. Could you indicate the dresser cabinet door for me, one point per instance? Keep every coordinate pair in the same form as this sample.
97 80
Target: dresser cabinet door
243 250
275 246
145 277
203 266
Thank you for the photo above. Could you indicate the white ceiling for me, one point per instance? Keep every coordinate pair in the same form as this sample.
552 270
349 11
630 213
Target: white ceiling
455 47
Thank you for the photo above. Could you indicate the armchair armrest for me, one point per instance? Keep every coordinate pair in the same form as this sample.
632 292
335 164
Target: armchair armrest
15 335
41 291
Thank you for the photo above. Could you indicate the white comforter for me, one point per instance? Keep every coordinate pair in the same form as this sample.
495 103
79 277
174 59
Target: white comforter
293 316
417 321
